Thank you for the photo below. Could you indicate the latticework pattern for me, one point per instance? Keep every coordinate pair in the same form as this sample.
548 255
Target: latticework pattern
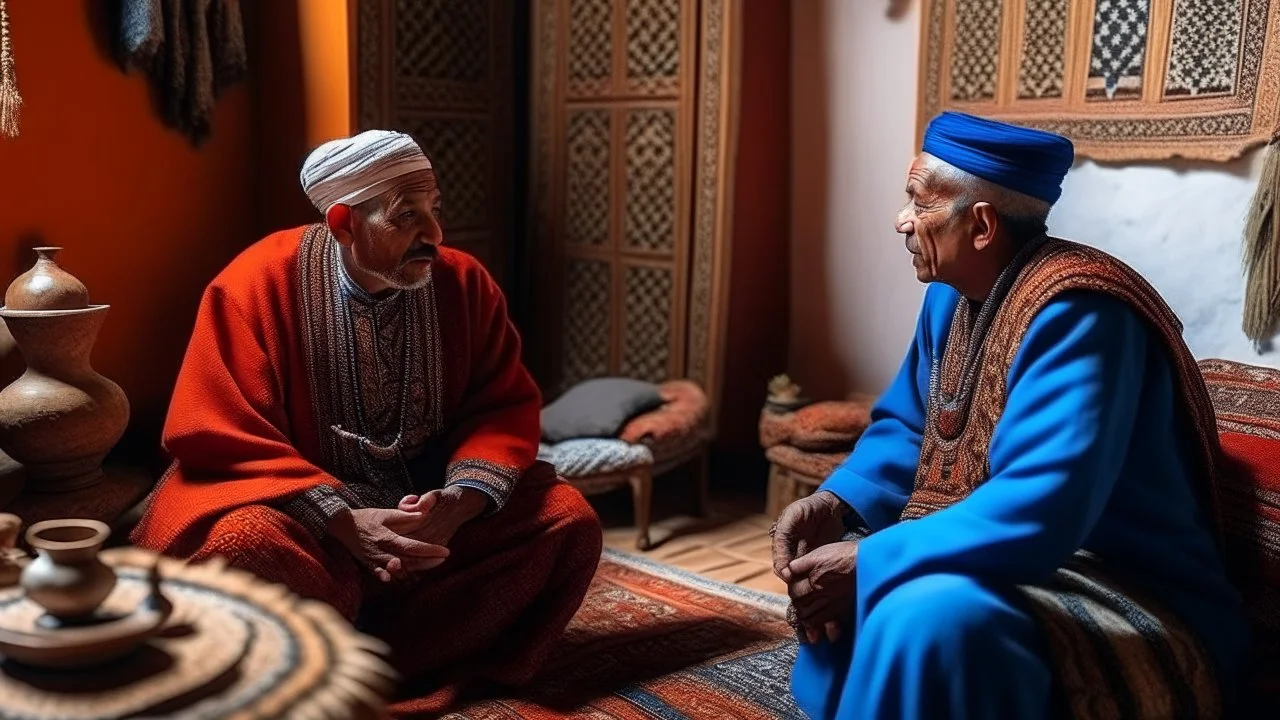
587 178
650 219
646 349
1044 46
1119 48
590 46
586 321
459 152
653 45
973 67
1205 50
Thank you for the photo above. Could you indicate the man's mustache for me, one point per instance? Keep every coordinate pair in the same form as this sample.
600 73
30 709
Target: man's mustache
427 252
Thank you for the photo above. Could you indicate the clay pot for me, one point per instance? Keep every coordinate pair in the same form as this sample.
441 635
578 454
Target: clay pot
67 578
60 417
46 286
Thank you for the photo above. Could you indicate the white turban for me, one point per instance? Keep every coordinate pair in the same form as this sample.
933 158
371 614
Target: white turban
349 171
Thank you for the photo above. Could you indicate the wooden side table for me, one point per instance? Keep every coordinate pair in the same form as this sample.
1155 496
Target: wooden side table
122 487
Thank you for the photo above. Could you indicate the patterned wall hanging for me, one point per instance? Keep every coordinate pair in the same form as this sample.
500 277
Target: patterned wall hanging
1124 79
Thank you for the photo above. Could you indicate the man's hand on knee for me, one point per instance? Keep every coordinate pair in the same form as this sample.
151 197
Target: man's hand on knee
821 588
379 540
805 524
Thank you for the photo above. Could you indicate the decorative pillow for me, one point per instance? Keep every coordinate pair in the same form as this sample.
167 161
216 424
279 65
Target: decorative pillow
594 456
597 408
823 427
682 415
1246 400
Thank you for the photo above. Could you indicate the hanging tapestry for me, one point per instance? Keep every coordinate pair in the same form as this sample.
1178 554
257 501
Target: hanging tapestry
1124 79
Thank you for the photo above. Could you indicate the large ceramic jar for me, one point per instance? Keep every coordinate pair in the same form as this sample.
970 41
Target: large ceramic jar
60 417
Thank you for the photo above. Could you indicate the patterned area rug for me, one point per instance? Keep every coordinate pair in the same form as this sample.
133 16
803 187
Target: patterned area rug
652 641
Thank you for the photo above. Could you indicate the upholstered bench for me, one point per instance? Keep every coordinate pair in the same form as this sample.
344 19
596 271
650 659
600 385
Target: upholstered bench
1246 400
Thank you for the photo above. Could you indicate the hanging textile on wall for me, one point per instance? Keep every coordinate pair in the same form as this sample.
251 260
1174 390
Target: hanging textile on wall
10 100
191 49
1124 79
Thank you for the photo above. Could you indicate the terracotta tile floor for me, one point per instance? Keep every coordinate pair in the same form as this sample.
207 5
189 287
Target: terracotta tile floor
730 545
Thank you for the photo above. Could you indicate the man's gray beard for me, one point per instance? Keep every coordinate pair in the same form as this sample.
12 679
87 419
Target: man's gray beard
392 282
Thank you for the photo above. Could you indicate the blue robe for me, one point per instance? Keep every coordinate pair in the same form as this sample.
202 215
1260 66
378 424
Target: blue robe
1089 454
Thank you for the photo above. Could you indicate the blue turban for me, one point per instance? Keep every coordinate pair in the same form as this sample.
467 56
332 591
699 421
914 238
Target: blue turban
1032 162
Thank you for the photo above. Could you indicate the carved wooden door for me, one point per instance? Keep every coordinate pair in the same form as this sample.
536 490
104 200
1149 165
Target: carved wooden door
616 212
441 70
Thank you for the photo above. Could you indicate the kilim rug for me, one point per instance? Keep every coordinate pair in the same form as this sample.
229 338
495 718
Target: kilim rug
652 641
1124 79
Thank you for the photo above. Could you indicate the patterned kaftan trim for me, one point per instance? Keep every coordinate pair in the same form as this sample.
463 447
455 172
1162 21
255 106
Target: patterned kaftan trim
495 480
1113 650
360 446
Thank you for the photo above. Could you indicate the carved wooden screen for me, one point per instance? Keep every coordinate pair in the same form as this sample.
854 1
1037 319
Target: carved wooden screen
614 105
441 70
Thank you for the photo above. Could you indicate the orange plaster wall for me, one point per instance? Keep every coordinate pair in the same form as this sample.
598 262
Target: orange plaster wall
301 97
146 219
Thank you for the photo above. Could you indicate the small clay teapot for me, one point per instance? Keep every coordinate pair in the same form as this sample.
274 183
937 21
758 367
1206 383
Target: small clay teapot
67 578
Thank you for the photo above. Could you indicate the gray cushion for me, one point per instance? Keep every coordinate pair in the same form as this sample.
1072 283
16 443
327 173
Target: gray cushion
594 456
597 408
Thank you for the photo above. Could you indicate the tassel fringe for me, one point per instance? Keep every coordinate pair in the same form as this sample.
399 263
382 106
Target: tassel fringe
1262 253
10 100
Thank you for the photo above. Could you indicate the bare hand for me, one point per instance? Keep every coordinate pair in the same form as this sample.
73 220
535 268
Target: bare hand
821 588
805 524
377 538
445 511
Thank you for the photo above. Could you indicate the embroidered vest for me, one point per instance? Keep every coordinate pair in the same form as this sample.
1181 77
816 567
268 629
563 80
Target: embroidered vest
968 385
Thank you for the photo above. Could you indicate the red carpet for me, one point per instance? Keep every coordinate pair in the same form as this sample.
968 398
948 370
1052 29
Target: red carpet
654 642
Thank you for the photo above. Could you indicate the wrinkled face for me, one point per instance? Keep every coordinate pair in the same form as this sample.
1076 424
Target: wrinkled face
394 238
935 235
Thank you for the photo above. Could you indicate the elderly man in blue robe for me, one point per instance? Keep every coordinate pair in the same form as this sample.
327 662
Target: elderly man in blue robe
1028 527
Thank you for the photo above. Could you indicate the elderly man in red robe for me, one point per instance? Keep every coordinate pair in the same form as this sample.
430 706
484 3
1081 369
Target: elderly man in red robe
352 419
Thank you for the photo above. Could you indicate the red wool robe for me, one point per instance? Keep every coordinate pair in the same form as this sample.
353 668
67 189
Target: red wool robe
248 427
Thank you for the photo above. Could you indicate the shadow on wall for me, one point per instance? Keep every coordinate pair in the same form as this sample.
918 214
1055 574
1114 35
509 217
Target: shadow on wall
815 365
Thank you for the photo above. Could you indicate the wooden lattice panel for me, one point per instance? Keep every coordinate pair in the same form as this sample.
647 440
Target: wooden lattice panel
616 185
442 56
653 46
586 194
590 47
650 207
459 152
646 331
441 70
587 326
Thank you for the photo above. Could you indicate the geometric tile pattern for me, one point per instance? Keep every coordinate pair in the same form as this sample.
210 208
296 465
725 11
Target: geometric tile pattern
587 177
650 219
590 45
1042 70
1204 50
1119 48
977 34
653 44
586 321
647 327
